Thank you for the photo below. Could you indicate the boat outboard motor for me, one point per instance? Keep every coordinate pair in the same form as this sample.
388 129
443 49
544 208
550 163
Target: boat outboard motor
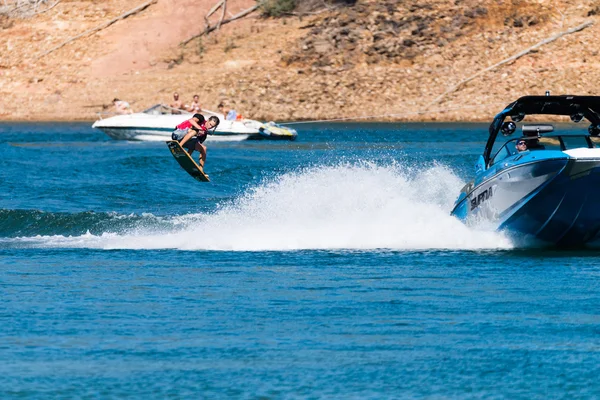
594 130
508 128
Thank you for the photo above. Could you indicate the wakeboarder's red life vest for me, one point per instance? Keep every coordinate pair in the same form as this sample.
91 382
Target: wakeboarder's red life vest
185 125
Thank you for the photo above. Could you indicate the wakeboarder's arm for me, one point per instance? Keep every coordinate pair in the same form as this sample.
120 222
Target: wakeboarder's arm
195 124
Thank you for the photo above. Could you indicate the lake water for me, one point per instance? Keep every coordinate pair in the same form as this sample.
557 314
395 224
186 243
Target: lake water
328 267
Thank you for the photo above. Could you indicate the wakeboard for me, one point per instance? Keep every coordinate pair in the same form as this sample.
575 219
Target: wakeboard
186 161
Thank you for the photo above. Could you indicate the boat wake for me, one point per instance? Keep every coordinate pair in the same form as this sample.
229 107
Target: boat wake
326 207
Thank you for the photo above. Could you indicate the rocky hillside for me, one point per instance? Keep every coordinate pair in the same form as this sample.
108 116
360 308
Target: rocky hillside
389 59
392 31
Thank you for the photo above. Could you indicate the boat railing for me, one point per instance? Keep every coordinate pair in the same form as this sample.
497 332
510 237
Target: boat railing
163 109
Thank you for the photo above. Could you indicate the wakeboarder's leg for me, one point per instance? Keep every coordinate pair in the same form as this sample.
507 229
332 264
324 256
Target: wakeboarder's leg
202 149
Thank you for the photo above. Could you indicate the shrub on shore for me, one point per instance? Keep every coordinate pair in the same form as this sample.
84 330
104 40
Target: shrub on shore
276 8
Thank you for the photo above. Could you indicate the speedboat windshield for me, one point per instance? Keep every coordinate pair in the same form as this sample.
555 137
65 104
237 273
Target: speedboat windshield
560 137
163 109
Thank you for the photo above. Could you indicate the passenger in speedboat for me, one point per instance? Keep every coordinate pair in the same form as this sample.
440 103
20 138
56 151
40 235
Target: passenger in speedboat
176 105
194 139
122 107
521 145
194 106
228 113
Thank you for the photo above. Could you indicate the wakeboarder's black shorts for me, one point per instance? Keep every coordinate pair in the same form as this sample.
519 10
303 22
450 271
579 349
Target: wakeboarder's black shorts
191 144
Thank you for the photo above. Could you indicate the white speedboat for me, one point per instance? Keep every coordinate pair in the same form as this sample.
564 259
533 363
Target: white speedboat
159 121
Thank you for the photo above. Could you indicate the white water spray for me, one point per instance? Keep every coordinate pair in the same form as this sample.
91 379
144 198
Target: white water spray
336 207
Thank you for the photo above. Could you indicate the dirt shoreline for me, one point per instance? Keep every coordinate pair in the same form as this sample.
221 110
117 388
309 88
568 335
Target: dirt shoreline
323 67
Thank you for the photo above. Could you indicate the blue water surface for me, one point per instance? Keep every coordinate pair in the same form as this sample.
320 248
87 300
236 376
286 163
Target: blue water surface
327 267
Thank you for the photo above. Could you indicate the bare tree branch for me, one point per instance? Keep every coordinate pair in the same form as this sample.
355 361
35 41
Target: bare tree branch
49 8
222 14
211 12
26 8
212 28
511 58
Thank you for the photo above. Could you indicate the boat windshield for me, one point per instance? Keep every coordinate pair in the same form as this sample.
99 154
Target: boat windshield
553 142
560 135
163 109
